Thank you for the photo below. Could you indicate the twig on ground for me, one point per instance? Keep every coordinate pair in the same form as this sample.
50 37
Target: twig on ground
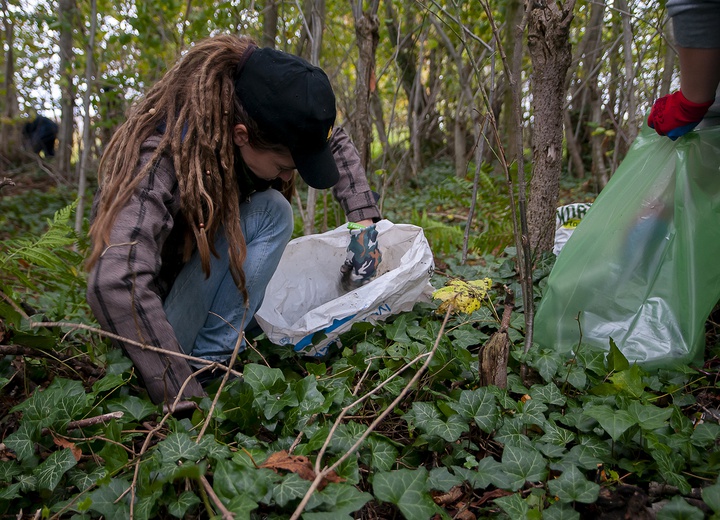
320 475
110 335
226 514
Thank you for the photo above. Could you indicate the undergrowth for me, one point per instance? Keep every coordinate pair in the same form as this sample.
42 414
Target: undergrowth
393 424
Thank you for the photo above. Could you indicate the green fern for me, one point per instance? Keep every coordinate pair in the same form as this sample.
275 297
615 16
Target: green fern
47 261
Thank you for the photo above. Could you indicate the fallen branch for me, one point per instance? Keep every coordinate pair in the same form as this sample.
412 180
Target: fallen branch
100 332
320 475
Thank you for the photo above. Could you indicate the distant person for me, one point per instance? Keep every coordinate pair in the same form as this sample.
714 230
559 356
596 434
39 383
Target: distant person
696 25
192 213
39 135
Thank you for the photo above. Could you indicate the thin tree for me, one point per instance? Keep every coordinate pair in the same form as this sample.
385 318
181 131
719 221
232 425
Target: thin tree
66 16
366 30
550 53
86 137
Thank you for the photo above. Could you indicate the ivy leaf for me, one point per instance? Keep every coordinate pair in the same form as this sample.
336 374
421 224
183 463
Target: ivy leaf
593 360
512 433
84 481
522 465
407 490
630 381
70 401
290 488
325 516
8 469
383 453
27 482
179 446
533 412
51 471
10 492
648 416
552 451
582 456
346 436
441 479
479 405
556 435
614 422
310 399
242 506
513 505
678 509
711 496
577 377
669 466
231 480
275 404
146 505
109 382
428 419
572 486
338 500
105 500
616 360
560 511
547 364
548 394
705 434
262 378
113 454
132 406
485 474
22 442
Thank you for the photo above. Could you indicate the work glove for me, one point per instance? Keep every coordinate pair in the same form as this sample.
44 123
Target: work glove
363 257
674 115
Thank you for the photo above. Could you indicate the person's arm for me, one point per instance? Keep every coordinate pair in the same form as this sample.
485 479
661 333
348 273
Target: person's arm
352 191
122 292
699 73
695 26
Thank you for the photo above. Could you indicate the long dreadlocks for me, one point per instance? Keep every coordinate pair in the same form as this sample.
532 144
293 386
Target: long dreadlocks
195 101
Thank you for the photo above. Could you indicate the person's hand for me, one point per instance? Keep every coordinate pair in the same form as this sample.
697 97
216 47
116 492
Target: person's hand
363 257
674 115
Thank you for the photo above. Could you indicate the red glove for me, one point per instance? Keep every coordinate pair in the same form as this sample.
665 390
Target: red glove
673 115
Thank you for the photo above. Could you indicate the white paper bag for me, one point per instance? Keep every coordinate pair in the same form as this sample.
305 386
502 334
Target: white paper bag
304 295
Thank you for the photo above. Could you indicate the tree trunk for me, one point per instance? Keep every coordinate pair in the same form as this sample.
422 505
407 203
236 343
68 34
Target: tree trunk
270 21
66 15
629 90
573 148
366 29
86 140
410 56
10 110
314 20
550 53
513 44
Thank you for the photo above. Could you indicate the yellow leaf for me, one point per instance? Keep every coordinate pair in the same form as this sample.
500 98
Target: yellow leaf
464 296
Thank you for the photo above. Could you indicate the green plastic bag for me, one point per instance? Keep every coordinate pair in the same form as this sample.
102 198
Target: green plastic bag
643 266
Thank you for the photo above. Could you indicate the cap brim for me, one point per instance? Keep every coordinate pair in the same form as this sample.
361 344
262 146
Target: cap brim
319 170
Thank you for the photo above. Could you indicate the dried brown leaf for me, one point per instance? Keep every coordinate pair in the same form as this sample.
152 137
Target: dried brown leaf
64 443
299 465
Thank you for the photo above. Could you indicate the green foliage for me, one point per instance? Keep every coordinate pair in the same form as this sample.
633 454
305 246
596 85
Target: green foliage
566 433
438 201
45 272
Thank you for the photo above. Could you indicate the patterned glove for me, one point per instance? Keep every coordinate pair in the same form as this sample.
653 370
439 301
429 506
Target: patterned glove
363 257
673 115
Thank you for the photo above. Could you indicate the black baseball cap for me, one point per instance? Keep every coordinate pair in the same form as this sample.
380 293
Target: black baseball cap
292 101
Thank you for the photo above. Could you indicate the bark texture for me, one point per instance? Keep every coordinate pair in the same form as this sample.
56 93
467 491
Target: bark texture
550 52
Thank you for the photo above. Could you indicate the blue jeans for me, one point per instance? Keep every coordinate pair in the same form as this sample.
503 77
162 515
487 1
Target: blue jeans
194 302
